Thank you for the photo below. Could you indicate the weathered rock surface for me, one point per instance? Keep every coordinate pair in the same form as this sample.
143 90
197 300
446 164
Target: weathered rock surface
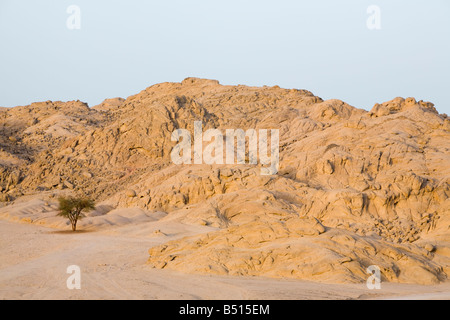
354 189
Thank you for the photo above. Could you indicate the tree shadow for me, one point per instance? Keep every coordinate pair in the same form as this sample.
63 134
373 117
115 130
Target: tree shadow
70 231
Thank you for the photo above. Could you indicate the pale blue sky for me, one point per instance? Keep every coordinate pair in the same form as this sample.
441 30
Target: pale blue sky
322 46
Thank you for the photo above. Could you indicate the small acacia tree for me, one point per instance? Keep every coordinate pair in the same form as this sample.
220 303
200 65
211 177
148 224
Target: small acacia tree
72 208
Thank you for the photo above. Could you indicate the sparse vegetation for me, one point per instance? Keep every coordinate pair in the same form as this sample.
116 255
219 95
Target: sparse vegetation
223 218
73 207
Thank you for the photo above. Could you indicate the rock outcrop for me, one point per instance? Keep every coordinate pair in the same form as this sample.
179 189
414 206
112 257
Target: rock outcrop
354 188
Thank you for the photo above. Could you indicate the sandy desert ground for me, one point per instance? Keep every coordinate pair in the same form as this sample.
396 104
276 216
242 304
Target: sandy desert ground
113 263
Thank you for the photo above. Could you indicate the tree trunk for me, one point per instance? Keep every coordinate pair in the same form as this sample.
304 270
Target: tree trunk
74 220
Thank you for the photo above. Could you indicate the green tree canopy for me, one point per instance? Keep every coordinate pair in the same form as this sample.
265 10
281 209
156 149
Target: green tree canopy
73 207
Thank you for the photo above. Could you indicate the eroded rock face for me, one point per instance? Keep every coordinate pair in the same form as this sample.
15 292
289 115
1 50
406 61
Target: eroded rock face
354 189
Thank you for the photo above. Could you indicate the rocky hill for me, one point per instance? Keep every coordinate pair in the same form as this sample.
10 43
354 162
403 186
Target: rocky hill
354 188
